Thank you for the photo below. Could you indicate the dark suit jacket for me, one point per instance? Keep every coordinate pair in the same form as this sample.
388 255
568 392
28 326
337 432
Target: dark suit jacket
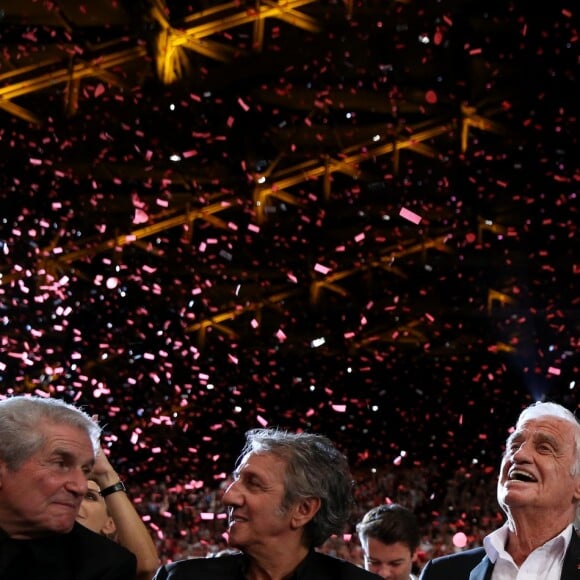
78 555
317 566
475 565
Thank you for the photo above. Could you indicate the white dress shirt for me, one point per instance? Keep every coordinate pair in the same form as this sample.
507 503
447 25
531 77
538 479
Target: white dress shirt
544 563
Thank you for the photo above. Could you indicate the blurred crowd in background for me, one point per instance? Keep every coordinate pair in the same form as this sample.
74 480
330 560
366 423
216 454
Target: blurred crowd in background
189 520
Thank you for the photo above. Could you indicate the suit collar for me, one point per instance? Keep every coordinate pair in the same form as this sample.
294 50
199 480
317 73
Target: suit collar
482 571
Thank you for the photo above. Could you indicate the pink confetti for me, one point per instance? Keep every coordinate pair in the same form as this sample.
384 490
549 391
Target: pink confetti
409 215
322 269
431 97
243 105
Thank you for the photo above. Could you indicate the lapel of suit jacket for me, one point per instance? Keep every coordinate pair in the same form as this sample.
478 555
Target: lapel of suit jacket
482 571
570 568
571 565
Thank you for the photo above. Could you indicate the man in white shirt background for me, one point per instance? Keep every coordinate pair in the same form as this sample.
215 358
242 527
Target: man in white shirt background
539 492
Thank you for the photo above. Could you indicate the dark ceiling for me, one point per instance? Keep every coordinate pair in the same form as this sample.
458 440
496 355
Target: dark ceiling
357 217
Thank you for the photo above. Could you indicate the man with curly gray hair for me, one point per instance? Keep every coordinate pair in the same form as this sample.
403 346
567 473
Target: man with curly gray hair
290 493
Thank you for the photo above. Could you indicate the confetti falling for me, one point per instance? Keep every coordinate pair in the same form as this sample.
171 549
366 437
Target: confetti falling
248 248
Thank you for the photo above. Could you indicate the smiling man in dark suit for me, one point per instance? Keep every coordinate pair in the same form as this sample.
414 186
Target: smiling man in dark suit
539 491
290 493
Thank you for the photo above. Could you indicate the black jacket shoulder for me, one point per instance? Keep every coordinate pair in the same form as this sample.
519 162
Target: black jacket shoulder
99 558
77 555
460 560
319 567
325 566
200 568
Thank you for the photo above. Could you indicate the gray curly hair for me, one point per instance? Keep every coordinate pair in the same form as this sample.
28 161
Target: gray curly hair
314 468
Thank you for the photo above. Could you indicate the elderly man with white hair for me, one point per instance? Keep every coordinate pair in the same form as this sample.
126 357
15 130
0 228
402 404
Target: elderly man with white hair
539 491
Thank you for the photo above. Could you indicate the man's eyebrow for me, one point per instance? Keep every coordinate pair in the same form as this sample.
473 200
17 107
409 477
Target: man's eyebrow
250 472
65 453
515 436
536 436
258 476
69 456
547 438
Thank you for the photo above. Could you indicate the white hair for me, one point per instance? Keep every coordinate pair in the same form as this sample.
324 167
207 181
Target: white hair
547 409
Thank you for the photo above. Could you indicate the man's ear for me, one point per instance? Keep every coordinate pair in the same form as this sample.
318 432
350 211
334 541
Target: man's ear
304 511
576 490
2 472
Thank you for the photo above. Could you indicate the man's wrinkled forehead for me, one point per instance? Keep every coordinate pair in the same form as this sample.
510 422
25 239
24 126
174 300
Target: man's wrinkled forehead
267 455
547 425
